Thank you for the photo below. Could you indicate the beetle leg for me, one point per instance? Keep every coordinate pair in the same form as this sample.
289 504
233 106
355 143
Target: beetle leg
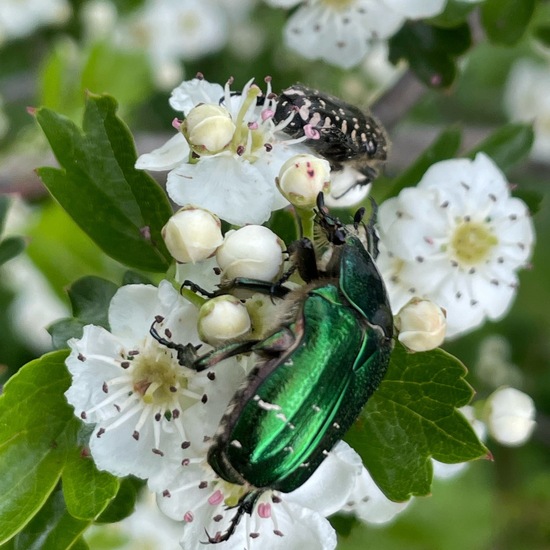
186 354
275 290
245 506
230 350
372 236
197 289
305 260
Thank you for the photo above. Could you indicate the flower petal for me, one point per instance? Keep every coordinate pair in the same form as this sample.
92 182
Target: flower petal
369 504
329 488
233 190
192 92
171 154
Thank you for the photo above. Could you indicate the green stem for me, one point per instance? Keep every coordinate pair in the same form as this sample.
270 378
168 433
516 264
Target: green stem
306 217
190 296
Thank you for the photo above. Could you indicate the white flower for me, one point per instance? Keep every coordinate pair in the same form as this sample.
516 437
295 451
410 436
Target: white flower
146 529
421 325
21 17
370 504
99 18
527 99
289 521
223 318
494 366
510 416
344 189
237 182
302 178
457 239
342 32
192 234
174 30
252 252
144 404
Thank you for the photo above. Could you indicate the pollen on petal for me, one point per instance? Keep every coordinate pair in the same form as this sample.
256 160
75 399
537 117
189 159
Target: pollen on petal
216 498
264 510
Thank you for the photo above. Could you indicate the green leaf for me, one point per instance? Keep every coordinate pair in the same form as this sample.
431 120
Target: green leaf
430 51
59 80
455 13
90 298
505 21
532 199
445 146
412 418
87 491
63 330
508 145
37 428
542 34
124 503
122 209
133 278
11 247
124 74
5 203
53 528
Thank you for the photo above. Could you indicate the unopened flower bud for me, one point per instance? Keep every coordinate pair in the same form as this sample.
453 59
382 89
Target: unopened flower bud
253 251
192 234
510 416
208 127
302 178
421 324
221 319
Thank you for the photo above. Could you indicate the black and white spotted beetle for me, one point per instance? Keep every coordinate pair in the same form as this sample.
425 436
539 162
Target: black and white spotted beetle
341 133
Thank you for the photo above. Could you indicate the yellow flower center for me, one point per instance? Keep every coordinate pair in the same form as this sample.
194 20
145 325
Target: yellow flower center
156 377
472 243
338 4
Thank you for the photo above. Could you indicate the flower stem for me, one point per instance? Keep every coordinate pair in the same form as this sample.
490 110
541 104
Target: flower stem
306 217
190 296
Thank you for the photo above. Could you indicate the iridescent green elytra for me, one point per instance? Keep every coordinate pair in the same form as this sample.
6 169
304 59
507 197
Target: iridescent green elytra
297 405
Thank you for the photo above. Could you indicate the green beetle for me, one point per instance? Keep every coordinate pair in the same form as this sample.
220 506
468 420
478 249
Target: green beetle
316 374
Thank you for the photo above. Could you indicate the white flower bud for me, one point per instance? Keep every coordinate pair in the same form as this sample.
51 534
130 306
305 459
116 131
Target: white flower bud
209 127
421 324
302 178
510 416
221 319
192 234
253 251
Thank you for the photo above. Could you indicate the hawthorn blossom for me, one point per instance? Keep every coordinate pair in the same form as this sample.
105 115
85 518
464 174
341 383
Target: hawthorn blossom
526 98
293 521
170 31
147 528
20 18
458 239
343 32
369 503
146 406
510 416
232 173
